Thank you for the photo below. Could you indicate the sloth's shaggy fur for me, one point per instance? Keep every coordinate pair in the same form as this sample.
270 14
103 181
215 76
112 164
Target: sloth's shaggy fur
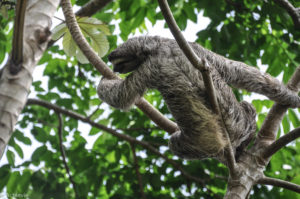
158 63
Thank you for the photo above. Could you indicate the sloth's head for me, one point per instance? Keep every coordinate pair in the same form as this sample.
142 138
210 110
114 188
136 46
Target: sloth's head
131 54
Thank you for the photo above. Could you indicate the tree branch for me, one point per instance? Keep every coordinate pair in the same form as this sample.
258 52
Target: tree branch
17 43
136 165
293 12
203 67
127 138
92 7
279 183
270 126
280 143
63 153
93 58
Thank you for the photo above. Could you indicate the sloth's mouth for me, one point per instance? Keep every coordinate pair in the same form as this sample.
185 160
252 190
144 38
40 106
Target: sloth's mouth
124 64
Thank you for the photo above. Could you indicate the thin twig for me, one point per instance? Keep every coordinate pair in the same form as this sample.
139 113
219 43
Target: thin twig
137 170
293 12
203 67
93 58
279 183
96 109
63 21
63 153
280 143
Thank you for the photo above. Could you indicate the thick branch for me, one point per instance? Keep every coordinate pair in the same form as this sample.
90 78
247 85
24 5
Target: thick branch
146 107
200 65
127 138
137 170
92 7
268 131
280 143
279 183
63 153
293 12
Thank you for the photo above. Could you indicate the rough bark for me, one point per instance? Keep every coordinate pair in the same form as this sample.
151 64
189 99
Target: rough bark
14 89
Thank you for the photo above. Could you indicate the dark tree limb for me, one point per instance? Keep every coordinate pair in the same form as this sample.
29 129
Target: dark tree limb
113 132
63 153
203 67
293 12
17 43
280 143
92 7
93 58
279 183
137 170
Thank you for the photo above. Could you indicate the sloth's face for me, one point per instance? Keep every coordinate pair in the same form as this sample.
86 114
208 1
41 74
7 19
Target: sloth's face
123 62
130 55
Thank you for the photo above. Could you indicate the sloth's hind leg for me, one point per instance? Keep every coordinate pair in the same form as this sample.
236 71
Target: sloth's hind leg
198 146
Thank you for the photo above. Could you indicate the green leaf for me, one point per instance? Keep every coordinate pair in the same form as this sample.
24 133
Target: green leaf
20 136
98 41
24 181
81 57
59 31
18 150
110 157
13 182
94 131
294 118
10 157
88 23
139 18
286 124
189 11
38 153
90 28
69 45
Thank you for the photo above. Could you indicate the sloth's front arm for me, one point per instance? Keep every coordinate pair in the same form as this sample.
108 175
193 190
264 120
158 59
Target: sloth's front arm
119 93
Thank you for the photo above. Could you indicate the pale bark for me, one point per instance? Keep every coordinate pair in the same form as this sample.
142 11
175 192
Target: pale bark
14 89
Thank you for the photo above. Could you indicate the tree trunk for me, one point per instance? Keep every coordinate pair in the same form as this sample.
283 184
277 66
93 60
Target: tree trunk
14 89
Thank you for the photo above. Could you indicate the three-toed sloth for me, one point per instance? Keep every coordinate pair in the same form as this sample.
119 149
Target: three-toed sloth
158 63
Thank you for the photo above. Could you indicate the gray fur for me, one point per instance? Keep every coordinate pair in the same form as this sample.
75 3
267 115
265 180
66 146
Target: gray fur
158 63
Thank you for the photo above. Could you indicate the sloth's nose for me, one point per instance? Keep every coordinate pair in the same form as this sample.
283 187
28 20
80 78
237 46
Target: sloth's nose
111 55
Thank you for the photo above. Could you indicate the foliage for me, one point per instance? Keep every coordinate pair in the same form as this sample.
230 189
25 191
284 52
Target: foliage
90 28
102 165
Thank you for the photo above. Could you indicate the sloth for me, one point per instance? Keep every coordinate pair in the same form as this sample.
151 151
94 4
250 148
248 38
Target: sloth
158 63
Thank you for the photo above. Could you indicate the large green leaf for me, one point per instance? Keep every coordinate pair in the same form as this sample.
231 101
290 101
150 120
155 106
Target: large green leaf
93 29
